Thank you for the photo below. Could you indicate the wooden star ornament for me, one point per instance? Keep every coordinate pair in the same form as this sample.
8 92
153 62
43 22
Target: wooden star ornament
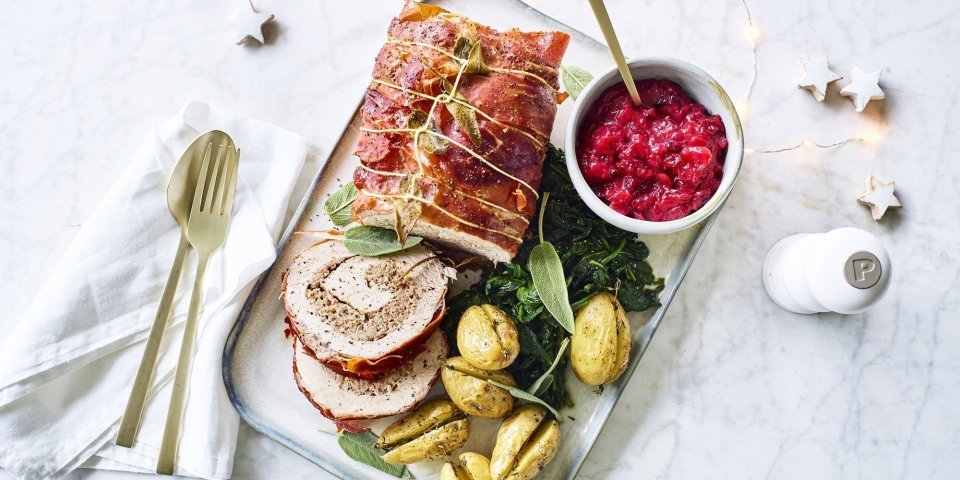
816 77
863 88
879 197
250 25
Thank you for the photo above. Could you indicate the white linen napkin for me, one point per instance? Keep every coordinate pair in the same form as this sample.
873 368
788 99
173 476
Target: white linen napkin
67 368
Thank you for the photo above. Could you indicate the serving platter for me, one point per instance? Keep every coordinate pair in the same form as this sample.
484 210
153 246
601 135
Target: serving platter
257 357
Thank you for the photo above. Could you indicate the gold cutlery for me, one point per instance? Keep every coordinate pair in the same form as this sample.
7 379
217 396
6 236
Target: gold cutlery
610 35
180 193
206 232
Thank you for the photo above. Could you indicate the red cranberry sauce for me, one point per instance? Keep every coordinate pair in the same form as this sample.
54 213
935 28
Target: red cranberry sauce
658 162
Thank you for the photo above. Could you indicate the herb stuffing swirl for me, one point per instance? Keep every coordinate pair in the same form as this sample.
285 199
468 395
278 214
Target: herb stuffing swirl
596 257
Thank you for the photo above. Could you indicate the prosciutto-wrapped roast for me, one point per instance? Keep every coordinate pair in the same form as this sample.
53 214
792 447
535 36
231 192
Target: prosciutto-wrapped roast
454 133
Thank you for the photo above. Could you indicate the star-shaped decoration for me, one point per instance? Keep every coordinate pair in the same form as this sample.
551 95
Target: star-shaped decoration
863 88
879 197
816 76
250 25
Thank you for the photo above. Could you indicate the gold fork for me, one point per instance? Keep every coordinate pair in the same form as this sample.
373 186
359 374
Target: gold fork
206 231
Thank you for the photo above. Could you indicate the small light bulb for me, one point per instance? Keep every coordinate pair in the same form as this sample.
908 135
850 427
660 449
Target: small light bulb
806 143
743 109
752 34
748 150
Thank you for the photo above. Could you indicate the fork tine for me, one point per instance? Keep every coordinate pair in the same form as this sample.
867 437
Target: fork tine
201 181
231 185
217 208
213 184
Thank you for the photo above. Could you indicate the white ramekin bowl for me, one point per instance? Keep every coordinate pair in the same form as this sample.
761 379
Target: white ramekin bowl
702 89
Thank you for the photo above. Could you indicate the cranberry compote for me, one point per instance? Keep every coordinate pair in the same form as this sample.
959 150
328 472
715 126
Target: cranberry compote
661 161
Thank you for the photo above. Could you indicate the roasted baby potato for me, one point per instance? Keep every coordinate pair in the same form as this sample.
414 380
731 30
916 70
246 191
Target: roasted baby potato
600 347
470 466
487 337
435 429
467 386
526 442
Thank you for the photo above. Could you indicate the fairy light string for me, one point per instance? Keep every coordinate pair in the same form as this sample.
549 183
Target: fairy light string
810 143
753 36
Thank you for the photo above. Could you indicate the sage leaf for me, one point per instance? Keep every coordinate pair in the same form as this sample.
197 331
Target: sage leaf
520 394
433 144
475 63
462 113
360 447
370 241
472 52
466 118
543 383
461 48
338 204
547 382
406 210
574 79
430 143
468 30
547 274
417 119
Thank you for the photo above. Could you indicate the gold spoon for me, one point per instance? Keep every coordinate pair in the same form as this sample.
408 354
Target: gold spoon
600 11
180 191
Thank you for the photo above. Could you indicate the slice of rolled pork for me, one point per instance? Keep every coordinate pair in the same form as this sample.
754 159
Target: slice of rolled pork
362 316
397 391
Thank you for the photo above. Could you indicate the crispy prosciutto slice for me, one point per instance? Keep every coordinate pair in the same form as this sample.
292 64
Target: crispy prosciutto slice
454 133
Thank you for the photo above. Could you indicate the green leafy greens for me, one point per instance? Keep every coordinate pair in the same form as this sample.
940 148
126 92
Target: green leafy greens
338 204
596 256
574 79
370 241
360 447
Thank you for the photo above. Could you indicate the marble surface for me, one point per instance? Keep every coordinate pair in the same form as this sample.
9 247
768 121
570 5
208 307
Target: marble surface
731 387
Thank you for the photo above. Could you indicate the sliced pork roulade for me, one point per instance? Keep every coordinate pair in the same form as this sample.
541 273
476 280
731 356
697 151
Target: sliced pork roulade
364 315
397 391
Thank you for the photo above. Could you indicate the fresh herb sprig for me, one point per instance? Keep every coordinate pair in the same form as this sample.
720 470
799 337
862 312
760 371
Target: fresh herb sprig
338 204
574 79
546 271
362 448
596 256
370 241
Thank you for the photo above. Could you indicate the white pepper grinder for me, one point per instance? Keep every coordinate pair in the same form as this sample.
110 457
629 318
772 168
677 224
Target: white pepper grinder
844 270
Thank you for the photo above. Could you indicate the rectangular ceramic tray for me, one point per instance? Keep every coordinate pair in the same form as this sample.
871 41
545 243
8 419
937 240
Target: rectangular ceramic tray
257 358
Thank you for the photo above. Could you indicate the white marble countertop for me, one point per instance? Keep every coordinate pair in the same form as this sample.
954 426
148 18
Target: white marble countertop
731 387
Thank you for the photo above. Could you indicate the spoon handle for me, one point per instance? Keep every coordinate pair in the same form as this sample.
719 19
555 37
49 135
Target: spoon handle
130 423
600 11
178 399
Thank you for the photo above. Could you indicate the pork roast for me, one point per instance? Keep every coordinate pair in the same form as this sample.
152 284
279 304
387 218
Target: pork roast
364 315
397 391
456 120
